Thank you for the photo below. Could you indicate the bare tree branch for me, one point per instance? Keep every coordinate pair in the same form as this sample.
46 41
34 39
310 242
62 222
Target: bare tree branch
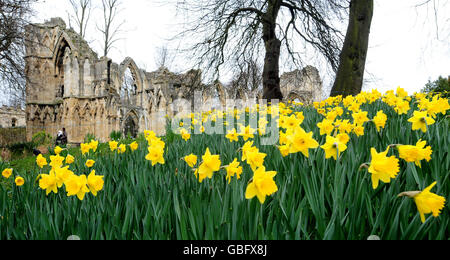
109 29
81 13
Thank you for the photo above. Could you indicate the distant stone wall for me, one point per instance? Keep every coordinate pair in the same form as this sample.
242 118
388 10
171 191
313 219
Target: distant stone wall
304 85
11 117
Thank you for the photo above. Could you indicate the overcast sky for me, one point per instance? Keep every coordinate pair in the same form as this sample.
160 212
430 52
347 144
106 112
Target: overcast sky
406 47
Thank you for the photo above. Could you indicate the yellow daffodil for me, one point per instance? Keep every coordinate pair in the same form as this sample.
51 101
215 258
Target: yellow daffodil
426 201
48 183
19 181
41 161
246 149
402 107
77 185
191 160
326 127
300 141
113 145
155 155
134 146
69 159
233 169
262 185
95 183
284 150
232 135
7 173
210 164
62 175
90 163
415 153
382 167
360 118
85 148
421 120
56 161
121 149
358 130
93 145
333 147
343 138
255 159
247 132
185 134
380 120
58 150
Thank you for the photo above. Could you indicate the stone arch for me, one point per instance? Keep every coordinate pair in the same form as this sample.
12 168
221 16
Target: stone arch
47 44
130 124
86 111
47 114
63 41
130 64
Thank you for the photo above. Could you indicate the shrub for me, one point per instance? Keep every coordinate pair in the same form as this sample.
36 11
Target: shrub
41 138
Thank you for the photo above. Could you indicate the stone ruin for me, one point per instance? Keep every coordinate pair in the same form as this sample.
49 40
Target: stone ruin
69 86
11 117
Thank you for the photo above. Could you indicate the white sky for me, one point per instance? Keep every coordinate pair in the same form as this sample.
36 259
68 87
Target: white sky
403 51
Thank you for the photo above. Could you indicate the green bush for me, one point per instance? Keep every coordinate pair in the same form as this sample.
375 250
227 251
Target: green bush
41 138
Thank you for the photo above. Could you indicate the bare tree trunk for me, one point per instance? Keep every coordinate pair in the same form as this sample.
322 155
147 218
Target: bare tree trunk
271 72
350 74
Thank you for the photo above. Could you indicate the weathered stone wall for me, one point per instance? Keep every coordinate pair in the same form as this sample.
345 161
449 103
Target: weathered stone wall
12 117
69 86
304 85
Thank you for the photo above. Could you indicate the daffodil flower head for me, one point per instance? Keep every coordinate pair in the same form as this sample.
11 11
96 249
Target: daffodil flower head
233 169
56 161
41 161
77 185
48 182
134 146
58 150
211 163
333 147
300 141
113 145
421 120
95 183
191 160
426 201
382 167
69 159
262 185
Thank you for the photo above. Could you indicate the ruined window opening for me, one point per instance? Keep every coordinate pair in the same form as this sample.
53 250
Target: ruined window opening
60 65
128 89
109 71
13 122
